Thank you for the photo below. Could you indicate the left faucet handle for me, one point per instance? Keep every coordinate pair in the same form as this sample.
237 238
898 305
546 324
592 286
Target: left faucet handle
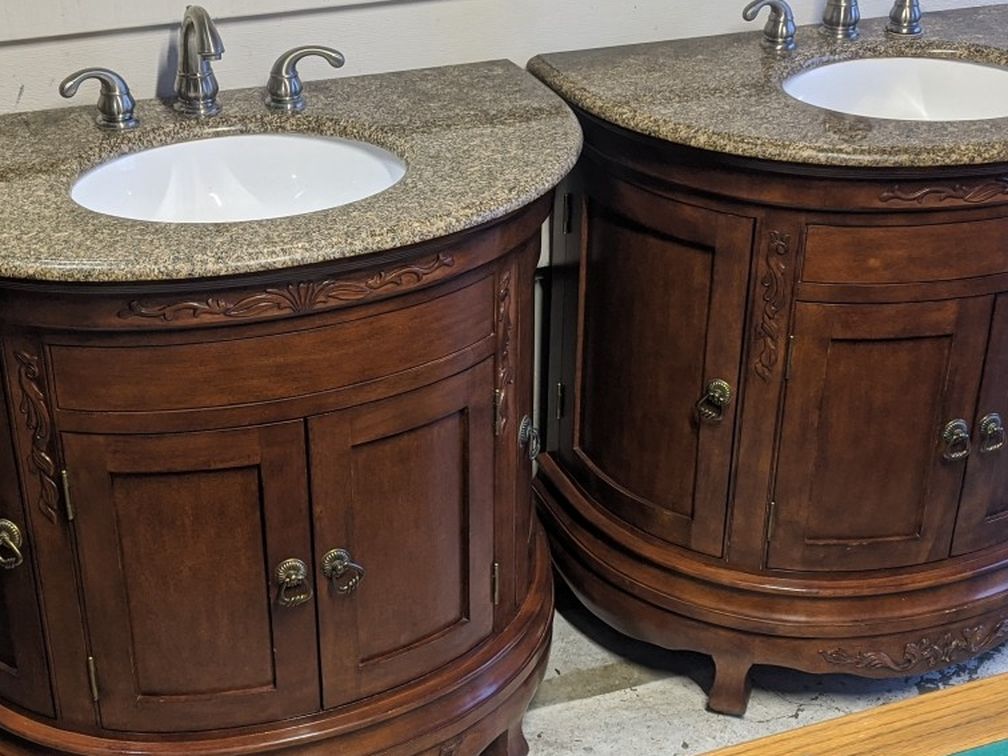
779 32
284 90
115 103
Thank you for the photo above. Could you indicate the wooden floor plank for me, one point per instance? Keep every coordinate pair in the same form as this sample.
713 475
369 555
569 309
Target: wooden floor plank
934 724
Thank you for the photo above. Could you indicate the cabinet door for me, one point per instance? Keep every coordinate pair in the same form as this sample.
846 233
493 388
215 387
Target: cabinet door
405 486
983 511
661 313
24 675
862 479
179 537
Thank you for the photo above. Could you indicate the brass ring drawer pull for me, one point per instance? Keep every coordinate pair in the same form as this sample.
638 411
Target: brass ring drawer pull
10 541
339 567
956 436
292 575
992 433
717 396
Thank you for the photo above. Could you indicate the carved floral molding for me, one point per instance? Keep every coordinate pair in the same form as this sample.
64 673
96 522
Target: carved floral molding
296 298
774 283
926 653
973 193
35 409
505 358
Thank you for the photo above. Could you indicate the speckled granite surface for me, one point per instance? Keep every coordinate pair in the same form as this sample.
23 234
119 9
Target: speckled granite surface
479 141
724 94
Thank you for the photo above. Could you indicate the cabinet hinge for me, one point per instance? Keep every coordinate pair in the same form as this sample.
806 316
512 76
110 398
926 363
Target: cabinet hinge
495 583
568 214
498 415
560 391
790 355
67 502
92 678
771 519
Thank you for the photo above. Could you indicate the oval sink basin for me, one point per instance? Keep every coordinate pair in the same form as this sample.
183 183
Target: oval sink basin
237 178
909 89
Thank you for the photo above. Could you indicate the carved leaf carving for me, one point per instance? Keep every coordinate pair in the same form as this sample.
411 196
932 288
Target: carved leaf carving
297 298
964 192
505 366
35 409
926 653
774 300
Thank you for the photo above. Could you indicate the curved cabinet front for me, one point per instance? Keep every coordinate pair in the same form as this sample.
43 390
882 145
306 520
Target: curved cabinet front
778 423
277 512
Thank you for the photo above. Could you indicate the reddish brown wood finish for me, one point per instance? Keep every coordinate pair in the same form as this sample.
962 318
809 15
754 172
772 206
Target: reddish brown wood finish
854 314
210 431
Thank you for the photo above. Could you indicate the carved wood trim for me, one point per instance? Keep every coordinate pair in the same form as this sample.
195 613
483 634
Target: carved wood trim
774 283
300 297
451 748
926 653
975 193
505 362
35 409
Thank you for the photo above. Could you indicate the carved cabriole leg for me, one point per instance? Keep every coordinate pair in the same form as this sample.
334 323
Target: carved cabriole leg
510 743
730 692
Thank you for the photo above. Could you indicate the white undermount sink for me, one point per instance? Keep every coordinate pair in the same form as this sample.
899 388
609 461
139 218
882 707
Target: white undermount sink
237 178
909 89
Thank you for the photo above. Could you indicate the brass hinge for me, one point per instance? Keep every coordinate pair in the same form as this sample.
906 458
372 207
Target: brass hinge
495 583
498 414
772 519
92 678
790 355
560 389
568 214
66 495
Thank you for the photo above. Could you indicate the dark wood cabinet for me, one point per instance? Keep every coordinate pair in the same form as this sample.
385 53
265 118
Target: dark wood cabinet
277 522
845 507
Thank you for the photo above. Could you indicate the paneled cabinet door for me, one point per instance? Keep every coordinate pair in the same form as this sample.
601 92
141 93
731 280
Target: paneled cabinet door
24 675
866 478
662 296
403 497
983 511
180 536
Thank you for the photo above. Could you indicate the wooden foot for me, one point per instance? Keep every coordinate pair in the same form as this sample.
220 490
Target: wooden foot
510 743
730 692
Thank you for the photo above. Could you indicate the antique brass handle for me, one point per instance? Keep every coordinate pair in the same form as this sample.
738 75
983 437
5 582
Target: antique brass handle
717 396
528 437
10 541
342 571
292 575
956 436
992 432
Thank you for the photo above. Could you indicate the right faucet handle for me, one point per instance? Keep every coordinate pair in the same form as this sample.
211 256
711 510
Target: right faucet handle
284 90
905 19
779 32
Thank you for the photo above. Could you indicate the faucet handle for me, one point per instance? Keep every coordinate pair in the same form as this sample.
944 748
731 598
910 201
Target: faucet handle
115 103
284 89
905 19
779 32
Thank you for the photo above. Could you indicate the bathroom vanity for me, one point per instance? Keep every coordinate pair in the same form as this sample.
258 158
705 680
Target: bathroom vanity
262 485
778 349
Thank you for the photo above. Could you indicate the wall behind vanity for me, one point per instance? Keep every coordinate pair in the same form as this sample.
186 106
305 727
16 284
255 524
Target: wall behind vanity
56 37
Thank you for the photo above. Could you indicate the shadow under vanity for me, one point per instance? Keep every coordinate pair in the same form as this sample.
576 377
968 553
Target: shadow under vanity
778 348
262 483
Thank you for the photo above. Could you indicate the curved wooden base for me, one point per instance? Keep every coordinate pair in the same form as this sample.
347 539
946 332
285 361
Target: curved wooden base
473 706
890 626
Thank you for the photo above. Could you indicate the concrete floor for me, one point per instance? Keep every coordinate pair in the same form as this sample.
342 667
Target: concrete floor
605 694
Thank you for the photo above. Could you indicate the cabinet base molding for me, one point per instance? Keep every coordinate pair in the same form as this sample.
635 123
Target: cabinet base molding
472 706
885 626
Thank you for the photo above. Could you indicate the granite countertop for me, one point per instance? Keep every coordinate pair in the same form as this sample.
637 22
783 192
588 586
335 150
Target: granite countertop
724 94
479 141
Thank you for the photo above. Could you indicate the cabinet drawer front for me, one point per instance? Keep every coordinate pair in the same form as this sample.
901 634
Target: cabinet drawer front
274 366
887 255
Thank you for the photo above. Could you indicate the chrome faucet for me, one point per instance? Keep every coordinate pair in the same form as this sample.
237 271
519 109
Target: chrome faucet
195 84
905 19
840 19
779 32
284 90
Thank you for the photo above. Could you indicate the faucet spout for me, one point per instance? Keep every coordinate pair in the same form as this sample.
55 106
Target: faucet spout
195 84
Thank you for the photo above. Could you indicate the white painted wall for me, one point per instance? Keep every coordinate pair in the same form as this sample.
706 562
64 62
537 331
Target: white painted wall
375 35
